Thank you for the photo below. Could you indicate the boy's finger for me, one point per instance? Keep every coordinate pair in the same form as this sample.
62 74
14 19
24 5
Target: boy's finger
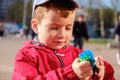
98 58
99 61
85 64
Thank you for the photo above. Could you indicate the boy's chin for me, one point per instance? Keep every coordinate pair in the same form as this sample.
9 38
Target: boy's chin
57 47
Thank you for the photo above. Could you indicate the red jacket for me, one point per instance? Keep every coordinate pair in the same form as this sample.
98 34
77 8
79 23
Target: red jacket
37 62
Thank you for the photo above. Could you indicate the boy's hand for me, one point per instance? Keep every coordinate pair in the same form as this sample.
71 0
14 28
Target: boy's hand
82 69
100 65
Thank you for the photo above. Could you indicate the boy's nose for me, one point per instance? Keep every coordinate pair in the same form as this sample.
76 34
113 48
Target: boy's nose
61 33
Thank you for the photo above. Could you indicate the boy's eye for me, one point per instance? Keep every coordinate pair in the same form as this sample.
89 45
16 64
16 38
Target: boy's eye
68 28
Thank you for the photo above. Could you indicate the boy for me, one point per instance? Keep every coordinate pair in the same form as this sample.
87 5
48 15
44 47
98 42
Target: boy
51 57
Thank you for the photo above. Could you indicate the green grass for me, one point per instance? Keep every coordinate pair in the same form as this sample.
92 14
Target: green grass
102 42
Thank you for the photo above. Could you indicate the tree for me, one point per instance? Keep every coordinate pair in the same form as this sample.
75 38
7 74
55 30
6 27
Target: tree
14 12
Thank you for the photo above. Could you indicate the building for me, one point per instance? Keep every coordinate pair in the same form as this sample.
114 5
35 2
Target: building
2 9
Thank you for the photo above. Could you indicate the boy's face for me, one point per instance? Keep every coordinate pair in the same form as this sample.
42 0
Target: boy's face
55 31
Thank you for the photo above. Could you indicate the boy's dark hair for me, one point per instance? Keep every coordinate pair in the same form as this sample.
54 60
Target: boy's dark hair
59 4
64 7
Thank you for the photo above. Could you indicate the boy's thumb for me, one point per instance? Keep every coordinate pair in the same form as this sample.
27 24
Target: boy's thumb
77 60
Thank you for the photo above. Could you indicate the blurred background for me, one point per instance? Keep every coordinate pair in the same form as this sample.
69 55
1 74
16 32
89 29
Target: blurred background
101 17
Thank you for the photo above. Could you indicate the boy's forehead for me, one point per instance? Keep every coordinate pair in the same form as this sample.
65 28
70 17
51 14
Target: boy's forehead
40 2
54 17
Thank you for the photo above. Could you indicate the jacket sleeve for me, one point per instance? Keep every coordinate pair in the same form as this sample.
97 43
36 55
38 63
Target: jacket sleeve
25 68
109 72
59 74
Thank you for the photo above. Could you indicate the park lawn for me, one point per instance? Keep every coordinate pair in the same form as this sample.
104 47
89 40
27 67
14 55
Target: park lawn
102 42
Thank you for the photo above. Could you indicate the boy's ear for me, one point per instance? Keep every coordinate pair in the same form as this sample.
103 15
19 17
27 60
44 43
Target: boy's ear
34 24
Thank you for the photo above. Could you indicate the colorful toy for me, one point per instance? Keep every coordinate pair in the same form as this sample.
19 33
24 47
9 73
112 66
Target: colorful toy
87 55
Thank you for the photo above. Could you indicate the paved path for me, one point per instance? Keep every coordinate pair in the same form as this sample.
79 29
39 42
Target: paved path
8 48
10 45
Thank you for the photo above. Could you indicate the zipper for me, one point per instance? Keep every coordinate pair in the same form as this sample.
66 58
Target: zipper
61 62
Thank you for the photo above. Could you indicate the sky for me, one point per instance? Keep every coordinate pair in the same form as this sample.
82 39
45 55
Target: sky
107 3
104 3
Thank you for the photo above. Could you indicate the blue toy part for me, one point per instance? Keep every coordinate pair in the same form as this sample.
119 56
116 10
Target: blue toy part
87 55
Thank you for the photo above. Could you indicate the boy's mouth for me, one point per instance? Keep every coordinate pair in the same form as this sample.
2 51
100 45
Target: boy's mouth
60 42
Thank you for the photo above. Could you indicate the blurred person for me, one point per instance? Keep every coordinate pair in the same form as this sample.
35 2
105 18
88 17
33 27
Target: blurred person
80 32
26 32
21 33
117 27
33 34
1 28
117 31
51 57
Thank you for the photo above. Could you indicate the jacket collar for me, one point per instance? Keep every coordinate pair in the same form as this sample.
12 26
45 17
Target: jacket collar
41 46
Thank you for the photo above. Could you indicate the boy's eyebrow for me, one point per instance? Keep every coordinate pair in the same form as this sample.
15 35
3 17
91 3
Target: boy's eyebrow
60 24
